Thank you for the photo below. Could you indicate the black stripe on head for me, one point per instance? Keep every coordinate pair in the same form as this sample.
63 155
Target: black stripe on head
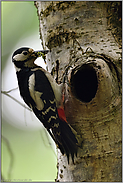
19 51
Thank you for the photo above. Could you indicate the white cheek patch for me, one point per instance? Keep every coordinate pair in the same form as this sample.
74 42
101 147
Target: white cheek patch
20 57
35 94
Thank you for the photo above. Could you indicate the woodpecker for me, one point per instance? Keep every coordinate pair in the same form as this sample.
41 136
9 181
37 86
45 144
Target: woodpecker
44 96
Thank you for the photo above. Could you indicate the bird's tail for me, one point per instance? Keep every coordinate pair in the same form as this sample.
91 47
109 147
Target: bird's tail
65 139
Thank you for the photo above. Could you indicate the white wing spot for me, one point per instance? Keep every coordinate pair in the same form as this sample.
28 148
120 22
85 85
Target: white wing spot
52 117
39 102
31 85
47 110
52 102
58 133
35 94
56 125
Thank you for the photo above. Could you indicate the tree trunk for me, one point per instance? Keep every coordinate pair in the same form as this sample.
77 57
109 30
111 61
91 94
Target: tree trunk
81 37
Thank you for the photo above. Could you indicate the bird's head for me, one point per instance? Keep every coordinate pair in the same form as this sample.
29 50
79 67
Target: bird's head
25 57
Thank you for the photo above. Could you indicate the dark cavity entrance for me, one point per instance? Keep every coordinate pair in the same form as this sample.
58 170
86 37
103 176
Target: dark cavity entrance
85 83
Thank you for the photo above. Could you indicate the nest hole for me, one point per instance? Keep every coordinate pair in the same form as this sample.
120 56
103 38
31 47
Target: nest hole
85 83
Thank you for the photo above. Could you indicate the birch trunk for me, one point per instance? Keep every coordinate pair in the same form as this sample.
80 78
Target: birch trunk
83 43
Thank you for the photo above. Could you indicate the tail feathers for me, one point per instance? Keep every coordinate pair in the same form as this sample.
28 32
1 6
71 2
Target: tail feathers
66 140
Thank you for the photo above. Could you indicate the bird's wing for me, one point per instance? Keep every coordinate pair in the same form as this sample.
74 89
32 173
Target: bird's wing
42 93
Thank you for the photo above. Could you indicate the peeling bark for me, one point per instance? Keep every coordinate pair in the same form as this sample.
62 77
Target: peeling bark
81 43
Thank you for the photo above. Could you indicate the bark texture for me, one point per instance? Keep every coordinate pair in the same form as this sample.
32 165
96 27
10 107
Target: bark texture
81 43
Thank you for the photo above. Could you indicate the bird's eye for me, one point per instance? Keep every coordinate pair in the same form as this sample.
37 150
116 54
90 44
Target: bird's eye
25 52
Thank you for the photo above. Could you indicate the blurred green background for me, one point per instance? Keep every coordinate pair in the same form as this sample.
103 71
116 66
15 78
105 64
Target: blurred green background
27 152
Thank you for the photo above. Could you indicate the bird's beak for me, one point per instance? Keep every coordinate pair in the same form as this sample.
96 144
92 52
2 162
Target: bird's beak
41 53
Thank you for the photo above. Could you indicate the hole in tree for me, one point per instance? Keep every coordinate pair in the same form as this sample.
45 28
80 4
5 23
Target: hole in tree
85 83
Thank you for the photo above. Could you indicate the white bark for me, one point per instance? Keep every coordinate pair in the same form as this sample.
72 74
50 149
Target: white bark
78 36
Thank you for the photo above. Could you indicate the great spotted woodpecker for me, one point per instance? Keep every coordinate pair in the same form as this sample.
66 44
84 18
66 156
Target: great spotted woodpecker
43 95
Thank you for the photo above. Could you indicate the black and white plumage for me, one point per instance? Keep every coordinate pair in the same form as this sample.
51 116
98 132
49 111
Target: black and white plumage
43 95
